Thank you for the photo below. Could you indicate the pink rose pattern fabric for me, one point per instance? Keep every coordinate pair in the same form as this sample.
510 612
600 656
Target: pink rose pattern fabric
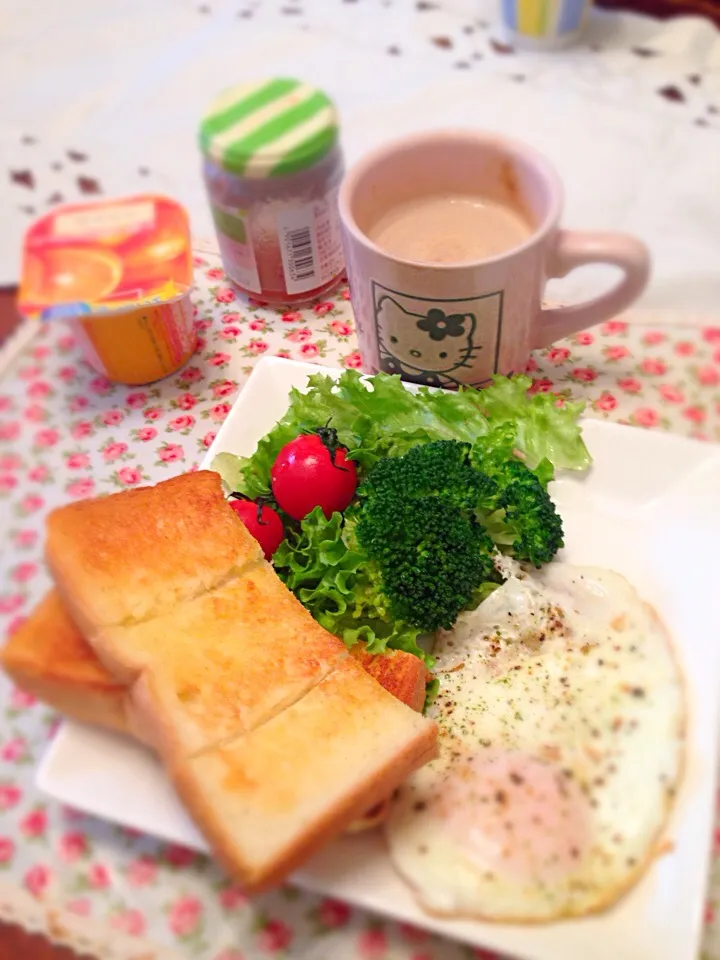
67 433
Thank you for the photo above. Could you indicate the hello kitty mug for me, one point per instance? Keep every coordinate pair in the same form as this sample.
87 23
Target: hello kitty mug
450 237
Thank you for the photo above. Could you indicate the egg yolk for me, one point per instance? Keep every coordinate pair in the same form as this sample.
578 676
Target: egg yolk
517 816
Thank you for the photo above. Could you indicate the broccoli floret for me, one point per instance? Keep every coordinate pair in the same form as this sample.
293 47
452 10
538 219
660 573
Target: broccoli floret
417 522
530 515
439 469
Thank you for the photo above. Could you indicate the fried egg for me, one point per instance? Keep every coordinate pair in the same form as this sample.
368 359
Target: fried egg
562 715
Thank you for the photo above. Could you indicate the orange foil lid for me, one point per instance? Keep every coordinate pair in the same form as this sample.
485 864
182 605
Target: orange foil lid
104 257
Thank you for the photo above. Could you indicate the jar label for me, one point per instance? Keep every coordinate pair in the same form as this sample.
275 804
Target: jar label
310 244
238 256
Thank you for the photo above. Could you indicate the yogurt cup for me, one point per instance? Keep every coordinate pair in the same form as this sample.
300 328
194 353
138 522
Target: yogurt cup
120 273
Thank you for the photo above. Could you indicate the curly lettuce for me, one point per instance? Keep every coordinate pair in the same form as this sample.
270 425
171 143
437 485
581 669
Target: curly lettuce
331 576
378 417
544 430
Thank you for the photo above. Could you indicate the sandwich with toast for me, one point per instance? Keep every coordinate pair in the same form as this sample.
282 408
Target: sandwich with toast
167 623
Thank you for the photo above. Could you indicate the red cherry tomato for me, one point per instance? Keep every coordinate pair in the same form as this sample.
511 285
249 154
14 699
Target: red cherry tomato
313 471
262 522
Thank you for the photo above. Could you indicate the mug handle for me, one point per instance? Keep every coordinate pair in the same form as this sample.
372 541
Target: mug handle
576 249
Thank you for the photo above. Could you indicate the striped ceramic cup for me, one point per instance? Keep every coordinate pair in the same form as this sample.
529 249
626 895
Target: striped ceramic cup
543 24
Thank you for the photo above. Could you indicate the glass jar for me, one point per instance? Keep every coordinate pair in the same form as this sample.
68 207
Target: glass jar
272 171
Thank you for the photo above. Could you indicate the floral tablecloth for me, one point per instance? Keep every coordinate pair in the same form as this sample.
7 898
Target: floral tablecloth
67 433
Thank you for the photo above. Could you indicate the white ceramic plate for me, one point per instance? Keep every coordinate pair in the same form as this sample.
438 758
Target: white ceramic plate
650 509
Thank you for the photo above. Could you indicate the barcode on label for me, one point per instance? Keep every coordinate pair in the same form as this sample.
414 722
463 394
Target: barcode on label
299 247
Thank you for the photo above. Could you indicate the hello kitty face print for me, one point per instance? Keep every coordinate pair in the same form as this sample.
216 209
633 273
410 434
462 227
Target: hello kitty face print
439 343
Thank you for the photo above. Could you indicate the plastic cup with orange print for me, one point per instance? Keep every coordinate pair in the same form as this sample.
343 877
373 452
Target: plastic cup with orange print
119 272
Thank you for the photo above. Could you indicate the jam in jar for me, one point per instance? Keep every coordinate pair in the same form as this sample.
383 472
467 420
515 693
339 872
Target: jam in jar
272 170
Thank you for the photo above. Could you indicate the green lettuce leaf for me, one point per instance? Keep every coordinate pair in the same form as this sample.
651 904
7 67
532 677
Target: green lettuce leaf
544 430
379 417
431 691
495 522
544 471
230 469
336 582
500 444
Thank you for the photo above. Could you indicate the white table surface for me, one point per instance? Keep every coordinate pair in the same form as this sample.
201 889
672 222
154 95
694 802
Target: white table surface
112 92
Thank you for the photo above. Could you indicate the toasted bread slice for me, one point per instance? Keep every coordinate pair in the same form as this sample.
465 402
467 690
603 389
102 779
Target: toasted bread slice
49 657
222 664
175 600
135 555
271 798
402 674
405 676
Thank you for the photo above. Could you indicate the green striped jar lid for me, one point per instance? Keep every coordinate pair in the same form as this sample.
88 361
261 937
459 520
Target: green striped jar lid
269 129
